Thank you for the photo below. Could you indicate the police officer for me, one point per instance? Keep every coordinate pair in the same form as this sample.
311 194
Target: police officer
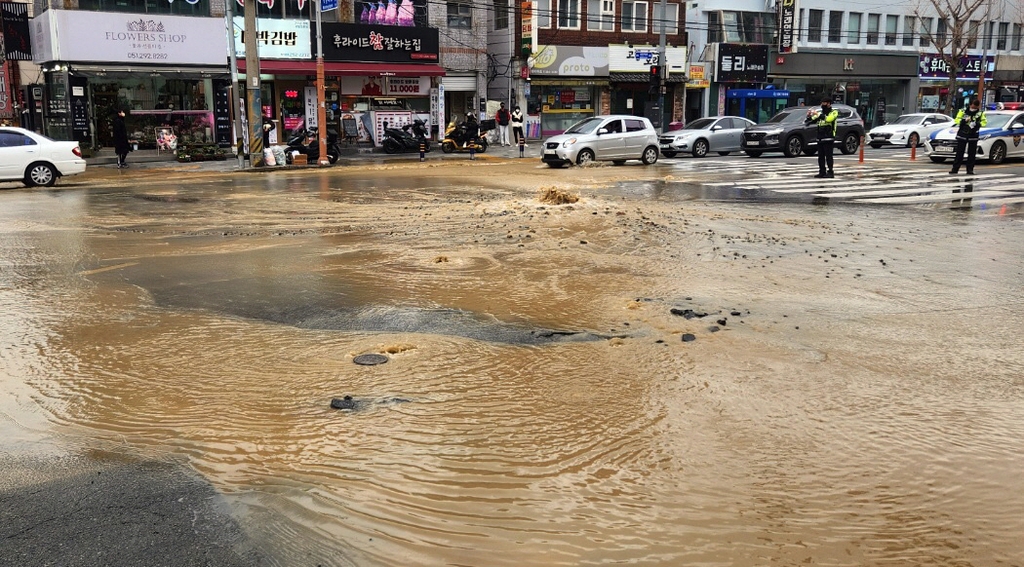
970 121
826 119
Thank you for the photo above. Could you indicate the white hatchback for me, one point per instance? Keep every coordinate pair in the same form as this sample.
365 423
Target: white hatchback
35 159
614 138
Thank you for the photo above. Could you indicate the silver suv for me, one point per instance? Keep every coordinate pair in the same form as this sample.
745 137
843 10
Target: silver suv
615 138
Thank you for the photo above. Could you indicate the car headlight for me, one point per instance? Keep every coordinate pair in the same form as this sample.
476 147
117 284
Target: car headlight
682 139
898 132
568 142
984 136
773 132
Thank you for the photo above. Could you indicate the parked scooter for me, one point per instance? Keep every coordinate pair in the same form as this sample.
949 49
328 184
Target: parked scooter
400 140
305 141
455 139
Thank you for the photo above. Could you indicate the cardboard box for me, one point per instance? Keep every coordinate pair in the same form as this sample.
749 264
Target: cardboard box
299 159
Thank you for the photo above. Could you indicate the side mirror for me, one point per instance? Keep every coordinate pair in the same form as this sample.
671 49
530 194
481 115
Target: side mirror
602 131
716 128
1017 125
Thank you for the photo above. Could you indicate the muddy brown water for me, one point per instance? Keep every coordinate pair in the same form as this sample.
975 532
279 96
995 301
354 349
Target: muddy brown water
862 402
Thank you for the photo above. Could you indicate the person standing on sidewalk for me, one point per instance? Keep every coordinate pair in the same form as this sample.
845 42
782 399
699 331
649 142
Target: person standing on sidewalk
970 122
503 117
517 124
826 118
121 145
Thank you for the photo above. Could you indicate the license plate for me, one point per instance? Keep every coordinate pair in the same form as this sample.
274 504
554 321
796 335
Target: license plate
749 143
943 149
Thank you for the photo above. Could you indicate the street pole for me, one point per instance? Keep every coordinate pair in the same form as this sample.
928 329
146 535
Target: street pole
984 54
229 15
664 65
254 104
321 96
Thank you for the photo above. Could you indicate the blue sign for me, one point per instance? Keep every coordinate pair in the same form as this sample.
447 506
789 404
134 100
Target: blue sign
326 5
756 93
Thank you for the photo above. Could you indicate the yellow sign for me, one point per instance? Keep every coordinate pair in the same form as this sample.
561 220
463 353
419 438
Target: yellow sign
698 84
696 72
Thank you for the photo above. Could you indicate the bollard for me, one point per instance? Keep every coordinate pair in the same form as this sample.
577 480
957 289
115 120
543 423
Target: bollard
472 149
913 152
522 147
861 160
423 151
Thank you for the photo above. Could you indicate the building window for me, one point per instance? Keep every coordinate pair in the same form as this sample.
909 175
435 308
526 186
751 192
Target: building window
1004 33
634 16
835 26
814 25
990 30
731 23
543 14
460 15
500 14
601 15
909 31
926 31
671 22
569 14
873 29
973 34
940 32
202 8
891 22
1018 31
853 33
715 33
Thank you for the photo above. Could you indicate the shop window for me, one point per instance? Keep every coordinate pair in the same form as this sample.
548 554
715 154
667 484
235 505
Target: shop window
634 16
814 25
200 8
671 22
891 23
853 33
601 15
909 30
543 14
500 14
926 31
758 27
873 20
835 26
731 24
569 14
1018 31
1004 32
279 10
460 15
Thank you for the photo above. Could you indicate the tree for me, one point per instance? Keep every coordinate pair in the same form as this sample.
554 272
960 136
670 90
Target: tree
956 32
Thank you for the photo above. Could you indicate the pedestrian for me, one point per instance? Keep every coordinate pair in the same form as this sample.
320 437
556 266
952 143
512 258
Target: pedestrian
970 121
826 118
472 133
267 128
121 145
503 117
517 124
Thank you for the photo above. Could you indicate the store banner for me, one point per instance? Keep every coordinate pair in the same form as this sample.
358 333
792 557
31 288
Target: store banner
384 86
569 61
404 13
275 39
639 58
6 95
369 43
932 66
66 35
742 63
787 26
15 41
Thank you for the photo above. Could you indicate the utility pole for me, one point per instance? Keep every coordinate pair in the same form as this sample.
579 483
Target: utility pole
321 96
986 38
229 15
662 61
254 104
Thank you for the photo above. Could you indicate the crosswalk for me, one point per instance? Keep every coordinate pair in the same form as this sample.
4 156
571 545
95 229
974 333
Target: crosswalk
882 181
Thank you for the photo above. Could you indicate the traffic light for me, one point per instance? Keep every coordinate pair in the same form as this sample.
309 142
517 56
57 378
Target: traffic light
655 78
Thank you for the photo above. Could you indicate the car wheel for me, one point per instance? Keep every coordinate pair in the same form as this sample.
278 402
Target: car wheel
619 162
876 146
724 153
700 148
998 153
40 174
850 143
913 140
447 147
584 157
650 155
794 145
753 153
937 159
668 154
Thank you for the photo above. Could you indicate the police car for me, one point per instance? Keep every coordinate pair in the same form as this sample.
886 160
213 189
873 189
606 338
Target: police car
1000 138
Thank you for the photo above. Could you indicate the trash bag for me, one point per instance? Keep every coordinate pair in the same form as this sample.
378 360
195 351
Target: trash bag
268 156
279 155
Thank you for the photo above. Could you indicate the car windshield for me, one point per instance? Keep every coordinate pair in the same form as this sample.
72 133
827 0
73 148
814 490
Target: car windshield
907 119
997 120
701 124
795 115
587 126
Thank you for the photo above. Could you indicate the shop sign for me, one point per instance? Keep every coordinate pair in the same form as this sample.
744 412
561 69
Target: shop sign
932 66
569 61
526 28
6 101
108 37
275 39
392 44
406 13
696 78
15 41
384 86
787 26
742 63
639 58
408 86
312 117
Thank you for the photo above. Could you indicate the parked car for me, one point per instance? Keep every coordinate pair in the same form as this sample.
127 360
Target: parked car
908 130
722 134
35 159
614 138
1002 137
788 132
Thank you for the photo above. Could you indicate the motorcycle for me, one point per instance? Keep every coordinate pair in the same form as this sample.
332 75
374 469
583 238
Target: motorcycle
305 141
400 140
455 138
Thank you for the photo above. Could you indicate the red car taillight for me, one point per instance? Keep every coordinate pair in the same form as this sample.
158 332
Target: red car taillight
76 151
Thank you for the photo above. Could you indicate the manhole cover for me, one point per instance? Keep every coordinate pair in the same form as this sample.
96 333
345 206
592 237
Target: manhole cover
370 359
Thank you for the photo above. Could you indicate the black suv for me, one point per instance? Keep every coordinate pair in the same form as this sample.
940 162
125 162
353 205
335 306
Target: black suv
788 132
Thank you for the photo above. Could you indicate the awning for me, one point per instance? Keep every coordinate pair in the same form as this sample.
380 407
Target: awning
623 77
115 71
334 68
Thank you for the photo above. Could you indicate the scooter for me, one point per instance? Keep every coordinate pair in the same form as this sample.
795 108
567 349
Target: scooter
305 141
455 139
400 140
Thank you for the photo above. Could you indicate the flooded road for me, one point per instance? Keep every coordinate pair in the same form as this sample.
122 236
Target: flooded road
853 393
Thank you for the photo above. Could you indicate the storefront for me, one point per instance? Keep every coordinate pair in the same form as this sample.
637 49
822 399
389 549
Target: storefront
629 76
695 97
755 104
1008 78
880 86
934 75
741 72
165 72
567 84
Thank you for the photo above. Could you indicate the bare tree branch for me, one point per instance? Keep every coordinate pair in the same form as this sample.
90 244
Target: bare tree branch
958 34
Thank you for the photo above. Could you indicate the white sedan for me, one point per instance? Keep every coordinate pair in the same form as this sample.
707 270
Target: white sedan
1000 138
35 159
908 130
722 134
